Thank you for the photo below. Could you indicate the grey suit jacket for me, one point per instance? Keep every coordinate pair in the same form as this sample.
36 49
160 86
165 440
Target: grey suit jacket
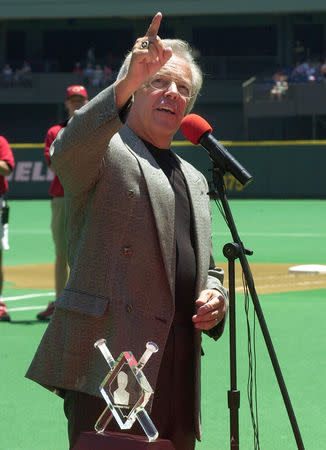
120 232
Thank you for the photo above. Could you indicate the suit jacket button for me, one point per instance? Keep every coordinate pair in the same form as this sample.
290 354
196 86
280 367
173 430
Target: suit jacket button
128 251
129 307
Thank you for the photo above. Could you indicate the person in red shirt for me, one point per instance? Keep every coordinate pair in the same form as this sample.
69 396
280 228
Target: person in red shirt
76 97
7 164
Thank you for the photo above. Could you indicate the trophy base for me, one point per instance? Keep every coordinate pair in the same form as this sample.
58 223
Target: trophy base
90 440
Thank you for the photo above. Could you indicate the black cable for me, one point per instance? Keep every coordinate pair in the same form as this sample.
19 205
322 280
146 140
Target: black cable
252 371
252 360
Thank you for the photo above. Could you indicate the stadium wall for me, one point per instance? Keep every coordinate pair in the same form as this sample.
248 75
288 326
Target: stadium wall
99 8
279 169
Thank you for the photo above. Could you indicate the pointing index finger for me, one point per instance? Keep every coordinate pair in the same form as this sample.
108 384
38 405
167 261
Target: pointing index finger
155 25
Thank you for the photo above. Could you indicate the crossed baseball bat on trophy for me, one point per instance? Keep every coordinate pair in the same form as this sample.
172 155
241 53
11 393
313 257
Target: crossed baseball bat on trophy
126 390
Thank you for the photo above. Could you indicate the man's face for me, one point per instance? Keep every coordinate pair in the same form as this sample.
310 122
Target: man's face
75 102
160 104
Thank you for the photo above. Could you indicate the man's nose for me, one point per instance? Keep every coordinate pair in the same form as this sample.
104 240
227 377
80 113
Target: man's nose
173 89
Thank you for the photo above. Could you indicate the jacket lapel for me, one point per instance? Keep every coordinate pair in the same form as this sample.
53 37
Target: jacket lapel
161 197
198 199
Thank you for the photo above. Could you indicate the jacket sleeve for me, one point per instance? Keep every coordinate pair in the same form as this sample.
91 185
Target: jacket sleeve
215 279
78 151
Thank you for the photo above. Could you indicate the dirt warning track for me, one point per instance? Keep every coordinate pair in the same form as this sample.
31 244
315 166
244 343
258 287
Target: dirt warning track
268 278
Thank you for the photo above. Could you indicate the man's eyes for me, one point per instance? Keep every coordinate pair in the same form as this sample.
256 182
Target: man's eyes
160 80
184 89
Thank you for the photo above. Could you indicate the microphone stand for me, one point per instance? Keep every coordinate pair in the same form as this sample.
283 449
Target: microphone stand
232 251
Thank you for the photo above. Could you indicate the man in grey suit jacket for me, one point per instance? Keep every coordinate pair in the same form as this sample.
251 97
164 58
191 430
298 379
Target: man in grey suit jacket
139 245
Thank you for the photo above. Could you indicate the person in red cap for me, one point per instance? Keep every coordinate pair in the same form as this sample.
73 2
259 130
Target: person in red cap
7 164
76 97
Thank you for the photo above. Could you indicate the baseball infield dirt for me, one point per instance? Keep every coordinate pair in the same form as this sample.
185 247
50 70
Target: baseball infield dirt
268 278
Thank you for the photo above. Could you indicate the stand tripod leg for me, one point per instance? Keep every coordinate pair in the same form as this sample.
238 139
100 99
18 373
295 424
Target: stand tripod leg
231 252
219 183
234 405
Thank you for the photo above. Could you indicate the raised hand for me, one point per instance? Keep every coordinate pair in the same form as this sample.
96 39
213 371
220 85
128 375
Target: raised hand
147 57
148 53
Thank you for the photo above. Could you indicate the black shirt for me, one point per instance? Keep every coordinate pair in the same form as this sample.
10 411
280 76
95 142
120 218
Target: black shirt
185 254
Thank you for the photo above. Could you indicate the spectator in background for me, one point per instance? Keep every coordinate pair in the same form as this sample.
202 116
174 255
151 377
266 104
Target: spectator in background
26 74
311 70
306 71
17 77
98 76
280 87
88 73
323 70
7 75
7 164
26 69
299 73
315 68
77 68
76 97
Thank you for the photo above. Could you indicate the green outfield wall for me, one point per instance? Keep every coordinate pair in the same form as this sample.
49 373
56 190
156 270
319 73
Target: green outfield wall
280 169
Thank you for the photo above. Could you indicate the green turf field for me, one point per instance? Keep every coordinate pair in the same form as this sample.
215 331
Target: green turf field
278 231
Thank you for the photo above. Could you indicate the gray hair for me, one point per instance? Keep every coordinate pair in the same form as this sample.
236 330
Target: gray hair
183 50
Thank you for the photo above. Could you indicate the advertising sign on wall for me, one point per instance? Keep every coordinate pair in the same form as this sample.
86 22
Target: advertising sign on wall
31 177
279 170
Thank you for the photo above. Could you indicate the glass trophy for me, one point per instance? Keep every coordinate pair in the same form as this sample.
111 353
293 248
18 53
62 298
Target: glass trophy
126 390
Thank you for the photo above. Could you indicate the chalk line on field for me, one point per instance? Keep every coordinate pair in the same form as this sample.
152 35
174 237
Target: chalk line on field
33 232
23 297
25 308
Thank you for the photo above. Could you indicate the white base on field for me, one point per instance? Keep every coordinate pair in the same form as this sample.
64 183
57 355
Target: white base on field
308 268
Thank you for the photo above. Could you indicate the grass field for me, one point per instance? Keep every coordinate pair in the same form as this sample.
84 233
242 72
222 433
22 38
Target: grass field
278 232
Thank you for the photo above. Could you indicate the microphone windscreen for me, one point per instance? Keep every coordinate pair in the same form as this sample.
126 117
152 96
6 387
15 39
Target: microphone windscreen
193 127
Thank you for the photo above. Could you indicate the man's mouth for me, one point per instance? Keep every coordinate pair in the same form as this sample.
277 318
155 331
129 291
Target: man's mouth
166 109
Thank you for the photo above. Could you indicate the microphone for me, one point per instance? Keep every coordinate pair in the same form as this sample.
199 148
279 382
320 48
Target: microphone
196 130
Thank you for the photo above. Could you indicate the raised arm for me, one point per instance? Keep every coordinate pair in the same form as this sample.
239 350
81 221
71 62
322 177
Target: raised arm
78 151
